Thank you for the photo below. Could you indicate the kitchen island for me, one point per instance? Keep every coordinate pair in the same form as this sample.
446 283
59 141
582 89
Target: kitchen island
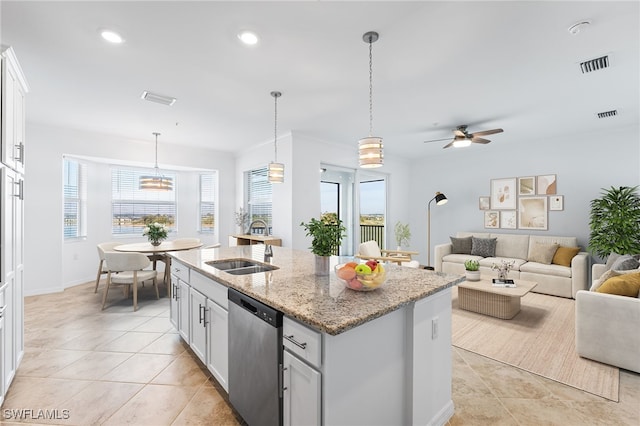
380 357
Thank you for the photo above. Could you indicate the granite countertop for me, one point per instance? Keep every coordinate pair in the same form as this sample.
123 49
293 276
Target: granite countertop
320 302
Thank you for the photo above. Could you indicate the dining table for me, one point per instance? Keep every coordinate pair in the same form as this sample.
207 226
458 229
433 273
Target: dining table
162 250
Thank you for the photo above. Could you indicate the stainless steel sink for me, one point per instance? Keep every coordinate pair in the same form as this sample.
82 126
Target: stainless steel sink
240 266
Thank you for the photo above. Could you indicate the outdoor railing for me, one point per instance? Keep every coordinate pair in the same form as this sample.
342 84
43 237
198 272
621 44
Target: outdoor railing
372 232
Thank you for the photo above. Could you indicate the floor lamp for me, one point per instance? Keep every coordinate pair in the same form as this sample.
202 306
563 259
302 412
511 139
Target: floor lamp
440 199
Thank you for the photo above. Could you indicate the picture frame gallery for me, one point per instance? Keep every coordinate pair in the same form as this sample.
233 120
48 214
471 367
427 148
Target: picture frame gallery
522 202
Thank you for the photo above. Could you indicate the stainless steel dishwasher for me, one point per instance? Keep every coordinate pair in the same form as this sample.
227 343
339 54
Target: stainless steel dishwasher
255 360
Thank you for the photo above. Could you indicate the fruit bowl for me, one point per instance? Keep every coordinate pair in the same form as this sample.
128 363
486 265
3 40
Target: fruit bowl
359 280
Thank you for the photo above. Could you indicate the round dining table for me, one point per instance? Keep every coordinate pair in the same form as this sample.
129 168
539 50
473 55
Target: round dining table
162 250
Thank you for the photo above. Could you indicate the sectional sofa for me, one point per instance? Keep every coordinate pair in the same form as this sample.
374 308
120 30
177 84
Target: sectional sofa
555 263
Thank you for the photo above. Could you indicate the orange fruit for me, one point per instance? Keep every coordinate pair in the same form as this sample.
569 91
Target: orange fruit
350 265
346 273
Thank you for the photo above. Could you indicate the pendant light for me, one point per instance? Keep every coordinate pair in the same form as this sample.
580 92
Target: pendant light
370 148
156 182
275 172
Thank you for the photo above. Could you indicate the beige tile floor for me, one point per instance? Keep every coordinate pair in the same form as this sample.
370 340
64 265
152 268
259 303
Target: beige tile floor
118 367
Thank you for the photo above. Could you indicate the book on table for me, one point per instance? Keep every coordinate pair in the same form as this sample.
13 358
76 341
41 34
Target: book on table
503 283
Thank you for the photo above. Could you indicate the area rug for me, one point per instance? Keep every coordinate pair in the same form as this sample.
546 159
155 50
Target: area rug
539 339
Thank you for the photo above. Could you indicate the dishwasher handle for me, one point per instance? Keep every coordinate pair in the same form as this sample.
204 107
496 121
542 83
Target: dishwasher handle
258 309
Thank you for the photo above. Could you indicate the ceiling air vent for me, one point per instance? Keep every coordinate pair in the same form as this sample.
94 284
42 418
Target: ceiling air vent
607 114
594 64
153 97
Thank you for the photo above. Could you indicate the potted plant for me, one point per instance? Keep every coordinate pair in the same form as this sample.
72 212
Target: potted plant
155 232
327 234
242 219
403 234
615 222
472 270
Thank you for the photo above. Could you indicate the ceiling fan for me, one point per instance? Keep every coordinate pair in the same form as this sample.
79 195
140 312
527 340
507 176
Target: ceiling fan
463 138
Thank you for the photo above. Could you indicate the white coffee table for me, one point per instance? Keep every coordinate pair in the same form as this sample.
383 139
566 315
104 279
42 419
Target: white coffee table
499 302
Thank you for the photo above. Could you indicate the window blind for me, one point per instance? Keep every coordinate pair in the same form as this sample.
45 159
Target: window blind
208 189
132 207
74 190
259 195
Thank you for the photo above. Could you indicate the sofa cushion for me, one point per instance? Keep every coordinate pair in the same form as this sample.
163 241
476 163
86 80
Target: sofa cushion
485 247
541 268
625 263
542 253
622 285
513 246
461 245
564 255
490 261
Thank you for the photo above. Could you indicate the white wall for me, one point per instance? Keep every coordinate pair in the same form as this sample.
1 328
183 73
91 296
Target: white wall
583 163
71 263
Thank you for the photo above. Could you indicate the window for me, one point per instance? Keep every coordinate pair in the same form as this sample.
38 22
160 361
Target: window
132 207
208 185
259 196
75 199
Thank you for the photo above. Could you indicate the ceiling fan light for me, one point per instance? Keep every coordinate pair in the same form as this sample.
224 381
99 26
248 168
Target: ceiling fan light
370 152
461 143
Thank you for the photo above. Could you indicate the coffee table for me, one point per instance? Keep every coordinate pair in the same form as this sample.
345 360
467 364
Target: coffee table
499 302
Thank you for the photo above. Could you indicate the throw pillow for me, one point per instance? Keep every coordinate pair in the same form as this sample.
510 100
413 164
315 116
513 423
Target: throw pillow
625 263
542 253
612 258
461 245
564 255
485 247
597 283
622 285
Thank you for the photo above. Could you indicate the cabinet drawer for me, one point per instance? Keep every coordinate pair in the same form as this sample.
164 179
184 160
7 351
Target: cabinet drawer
210 288
302 341
180 270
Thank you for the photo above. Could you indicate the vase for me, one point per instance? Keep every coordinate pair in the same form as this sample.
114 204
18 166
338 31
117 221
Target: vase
322 265
155 243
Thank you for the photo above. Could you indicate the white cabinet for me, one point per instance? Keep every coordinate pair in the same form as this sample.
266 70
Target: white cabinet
183 310
218 343
198 325
3 310
14 89
301 394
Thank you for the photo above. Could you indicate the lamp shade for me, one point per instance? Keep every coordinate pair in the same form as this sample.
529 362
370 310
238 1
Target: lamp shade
156 183
275 172
370 152
440 198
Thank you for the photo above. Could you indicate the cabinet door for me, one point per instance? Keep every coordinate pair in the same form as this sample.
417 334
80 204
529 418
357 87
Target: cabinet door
301 395
218 343
184 319
198 326
12 109
9 361
174 306
2 347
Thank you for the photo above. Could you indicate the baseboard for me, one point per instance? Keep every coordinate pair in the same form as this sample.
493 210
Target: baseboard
443 416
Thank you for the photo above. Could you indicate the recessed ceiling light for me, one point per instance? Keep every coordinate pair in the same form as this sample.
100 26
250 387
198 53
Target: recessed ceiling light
248 37
111 36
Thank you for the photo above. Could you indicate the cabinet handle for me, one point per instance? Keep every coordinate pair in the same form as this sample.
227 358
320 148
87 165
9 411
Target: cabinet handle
176 292
202 314
302 345
20 194
281 379
20 156
2 311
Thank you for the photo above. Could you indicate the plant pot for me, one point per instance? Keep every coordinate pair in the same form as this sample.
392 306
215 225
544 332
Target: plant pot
155 243
472 275
322 265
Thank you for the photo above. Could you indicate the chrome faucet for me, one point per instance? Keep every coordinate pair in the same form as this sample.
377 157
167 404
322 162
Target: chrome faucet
266 227
268 253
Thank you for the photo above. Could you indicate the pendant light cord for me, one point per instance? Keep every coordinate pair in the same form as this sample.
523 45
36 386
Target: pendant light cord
370 86
275 127
156 166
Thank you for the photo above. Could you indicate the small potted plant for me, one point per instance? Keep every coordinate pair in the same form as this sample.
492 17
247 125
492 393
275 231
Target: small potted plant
327 236
403 234
472 270
155 232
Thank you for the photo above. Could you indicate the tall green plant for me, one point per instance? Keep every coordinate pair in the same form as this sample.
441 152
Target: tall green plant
403 233
327 234
615 222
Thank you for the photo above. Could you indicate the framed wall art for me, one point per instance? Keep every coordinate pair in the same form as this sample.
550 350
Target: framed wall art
527 185
546 185
491 219
484 203
508 219
503 194
532 213
556 202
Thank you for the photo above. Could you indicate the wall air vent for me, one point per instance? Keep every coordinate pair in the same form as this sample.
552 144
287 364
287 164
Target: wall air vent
607 114
154 97
594 64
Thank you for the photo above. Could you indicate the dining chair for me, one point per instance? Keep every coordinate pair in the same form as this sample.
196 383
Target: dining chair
127 269
371 250
163 257
102 267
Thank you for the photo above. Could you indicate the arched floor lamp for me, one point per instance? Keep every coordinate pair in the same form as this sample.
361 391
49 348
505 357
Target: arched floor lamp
440 199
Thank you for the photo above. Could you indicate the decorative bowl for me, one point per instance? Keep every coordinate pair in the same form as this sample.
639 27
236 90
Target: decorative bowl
348 276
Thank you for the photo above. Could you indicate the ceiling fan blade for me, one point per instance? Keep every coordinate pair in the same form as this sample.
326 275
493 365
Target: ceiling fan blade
479 140
449 144
487 132
437 140
459 132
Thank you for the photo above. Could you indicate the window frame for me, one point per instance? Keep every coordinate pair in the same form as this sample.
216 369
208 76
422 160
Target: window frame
79 200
